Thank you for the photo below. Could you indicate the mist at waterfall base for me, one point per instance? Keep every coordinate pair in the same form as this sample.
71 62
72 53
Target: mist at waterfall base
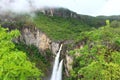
57 68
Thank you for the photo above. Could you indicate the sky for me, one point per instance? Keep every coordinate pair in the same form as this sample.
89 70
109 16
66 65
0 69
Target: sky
86 7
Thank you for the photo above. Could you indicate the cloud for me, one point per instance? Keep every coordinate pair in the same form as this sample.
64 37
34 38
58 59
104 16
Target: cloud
25 6
88 7
14 6
112 7
31 5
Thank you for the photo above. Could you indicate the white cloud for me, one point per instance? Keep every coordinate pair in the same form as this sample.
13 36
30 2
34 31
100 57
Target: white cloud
88 7
20 6
112 7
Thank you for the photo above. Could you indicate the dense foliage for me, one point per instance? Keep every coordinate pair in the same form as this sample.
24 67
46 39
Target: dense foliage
14 64
54 26
99 59
40 59
70 27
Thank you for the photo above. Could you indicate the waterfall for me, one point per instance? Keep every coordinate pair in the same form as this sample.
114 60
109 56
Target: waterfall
57 68
59 72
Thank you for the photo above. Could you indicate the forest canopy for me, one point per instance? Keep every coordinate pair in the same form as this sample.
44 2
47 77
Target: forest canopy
99 59
14 64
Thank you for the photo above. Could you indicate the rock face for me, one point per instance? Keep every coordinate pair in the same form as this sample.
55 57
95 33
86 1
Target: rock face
61 12
54 47
35 37
31 35
68 65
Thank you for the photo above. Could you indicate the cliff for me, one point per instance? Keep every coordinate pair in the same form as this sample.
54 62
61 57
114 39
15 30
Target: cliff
66 27
31 35
61 12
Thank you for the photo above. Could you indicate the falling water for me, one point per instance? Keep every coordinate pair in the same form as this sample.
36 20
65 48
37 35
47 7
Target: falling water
57 68
59 72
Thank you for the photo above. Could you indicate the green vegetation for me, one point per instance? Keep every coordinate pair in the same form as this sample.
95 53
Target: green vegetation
58 28
63 27
14 64
99 59
34 55
115 24
54 26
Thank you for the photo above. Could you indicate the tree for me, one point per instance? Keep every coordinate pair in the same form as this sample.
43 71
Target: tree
115 24
99 58
14 64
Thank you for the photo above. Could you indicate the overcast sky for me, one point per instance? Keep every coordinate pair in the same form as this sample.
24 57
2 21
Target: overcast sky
87 7
93 7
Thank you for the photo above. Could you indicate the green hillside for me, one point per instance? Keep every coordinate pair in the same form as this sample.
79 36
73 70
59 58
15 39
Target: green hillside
62 26
58 28
99 59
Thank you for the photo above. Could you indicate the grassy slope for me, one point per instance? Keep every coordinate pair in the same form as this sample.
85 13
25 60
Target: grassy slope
58 28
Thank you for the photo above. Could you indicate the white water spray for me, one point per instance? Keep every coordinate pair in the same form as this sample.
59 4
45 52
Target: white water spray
59 72
57 68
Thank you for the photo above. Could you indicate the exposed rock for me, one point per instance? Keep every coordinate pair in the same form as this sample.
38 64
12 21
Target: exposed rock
35 37
69 62
31 35
68 65
62 12
54 47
